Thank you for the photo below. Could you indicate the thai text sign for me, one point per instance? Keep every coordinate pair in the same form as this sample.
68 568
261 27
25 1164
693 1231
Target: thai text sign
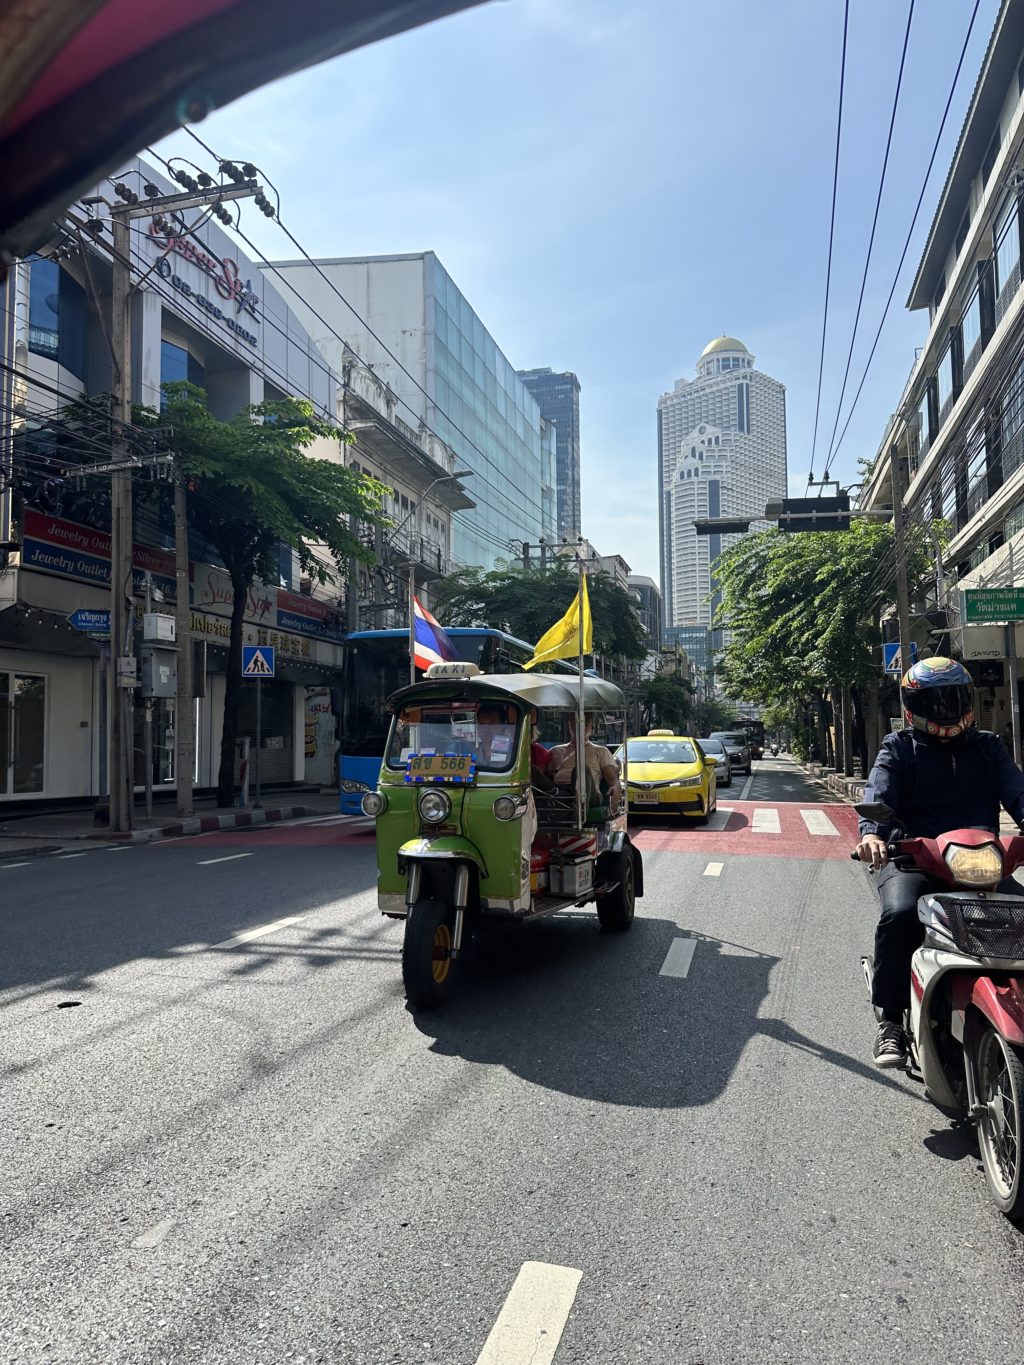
993 604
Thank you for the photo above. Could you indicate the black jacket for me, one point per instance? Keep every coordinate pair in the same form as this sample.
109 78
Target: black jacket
935 786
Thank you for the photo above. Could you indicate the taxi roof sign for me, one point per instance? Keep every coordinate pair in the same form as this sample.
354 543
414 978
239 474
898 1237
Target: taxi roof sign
667 734
458 669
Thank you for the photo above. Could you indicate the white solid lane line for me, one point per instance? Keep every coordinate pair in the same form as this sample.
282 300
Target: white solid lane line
679 956
817 822
746 787
65 856
230 858
713 869
258 933
8 866
533 1317
155 1235
766 821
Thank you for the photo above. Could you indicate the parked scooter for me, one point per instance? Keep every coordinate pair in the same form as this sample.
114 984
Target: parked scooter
965 1025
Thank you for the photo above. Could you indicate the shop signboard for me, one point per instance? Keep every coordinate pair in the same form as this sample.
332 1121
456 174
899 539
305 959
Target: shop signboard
54 545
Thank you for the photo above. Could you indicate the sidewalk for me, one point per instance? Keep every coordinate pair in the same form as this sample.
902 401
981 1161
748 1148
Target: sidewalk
46 832
851 789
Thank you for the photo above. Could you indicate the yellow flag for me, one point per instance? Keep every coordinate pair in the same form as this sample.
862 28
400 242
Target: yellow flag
562 641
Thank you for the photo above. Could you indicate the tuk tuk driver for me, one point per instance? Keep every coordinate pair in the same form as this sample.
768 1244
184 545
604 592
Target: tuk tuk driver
599 764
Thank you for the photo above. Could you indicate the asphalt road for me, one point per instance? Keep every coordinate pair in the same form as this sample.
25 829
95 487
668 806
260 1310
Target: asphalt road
233 1144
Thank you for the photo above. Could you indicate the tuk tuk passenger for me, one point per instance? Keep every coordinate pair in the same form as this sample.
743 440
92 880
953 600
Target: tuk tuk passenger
598 760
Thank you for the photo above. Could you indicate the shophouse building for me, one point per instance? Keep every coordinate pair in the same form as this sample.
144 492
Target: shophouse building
205 313
957 433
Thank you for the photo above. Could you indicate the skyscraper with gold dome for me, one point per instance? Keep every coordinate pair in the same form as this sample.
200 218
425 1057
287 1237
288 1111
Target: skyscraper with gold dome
721 452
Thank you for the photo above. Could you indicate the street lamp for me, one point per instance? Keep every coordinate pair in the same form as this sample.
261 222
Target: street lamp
414 512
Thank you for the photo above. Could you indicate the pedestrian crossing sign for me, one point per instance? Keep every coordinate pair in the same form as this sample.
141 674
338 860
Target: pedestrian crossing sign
892 661
257 661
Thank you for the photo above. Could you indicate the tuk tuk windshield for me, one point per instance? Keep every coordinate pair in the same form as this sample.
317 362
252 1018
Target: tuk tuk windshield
489 730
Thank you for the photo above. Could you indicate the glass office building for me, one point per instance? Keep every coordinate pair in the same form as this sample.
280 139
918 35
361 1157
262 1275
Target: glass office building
558 395
404 316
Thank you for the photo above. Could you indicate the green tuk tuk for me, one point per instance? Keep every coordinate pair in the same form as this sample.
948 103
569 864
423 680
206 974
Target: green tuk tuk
465 832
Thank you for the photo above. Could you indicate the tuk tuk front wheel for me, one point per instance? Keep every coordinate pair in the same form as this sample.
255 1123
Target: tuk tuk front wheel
428 968
615 910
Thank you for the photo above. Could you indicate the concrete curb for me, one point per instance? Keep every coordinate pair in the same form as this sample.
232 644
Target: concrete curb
850 789
204 824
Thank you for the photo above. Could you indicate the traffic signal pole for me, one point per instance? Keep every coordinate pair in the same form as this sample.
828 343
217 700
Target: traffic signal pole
899 535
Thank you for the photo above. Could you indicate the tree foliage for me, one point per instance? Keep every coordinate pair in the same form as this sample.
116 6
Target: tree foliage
666 700
252 488
527 602
802 609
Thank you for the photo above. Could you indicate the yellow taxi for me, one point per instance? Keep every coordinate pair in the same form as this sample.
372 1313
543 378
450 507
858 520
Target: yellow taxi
669 774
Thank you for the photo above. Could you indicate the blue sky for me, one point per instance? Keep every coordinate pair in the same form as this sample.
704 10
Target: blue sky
613 185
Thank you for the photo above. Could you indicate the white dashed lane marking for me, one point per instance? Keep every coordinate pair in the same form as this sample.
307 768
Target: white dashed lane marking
533 1317
746 787
228 858
250 934
7 867
817 822
154 1236
713 869
679 956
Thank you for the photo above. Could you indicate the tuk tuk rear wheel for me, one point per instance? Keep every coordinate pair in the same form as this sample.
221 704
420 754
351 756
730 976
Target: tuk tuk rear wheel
428 969
615 911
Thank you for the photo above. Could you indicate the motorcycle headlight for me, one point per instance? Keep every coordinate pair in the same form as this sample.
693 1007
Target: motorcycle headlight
434 807
374 803
975 866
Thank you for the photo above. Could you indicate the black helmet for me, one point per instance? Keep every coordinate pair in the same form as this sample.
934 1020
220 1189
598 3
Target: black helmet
938 697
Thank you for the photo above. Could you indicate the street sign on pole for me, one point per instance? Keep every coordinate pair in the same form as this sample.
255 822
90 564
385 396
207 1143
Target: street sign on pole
984 605
891 659
91 622
257 661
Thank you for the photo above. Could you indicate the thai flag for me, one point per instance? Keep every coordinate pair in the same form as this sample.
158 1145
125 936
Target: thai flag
432 645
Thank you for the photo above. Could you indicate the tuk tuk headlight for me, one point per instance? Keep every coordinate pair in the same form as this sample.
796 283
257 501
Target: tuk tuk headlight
374 803
434 807
507 808
975 866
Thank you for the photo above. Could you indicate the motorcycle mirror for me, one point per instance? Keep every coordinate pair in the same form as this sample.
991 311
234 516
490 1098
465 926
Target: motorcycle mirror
875 810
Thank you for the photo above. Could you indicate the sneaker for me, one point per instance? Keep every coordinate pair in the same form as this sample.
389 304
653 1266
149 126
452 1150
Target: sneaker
890 1046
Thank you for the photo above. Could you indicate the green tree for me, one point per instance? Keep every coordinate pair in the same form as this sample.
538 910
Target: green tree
666 701
803 612
252 488
527 602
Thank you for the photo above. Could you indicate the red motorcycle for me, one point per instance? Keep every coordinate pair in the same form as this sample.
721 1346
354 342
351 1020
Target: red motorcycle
965 1024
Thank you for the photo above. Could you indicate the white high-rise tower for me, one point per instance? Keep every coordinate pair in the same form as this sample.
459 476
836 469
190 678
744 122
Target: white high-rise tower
721 452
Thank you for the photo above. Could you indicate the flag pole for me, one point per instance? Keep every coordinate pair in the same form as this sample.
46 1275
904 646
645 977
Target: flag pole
581 772
412 622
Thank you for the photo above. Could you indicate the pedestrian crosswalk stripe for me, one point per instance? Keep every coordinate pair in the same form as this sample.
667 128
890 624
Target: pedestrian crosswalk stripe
766 821
817 822
720 818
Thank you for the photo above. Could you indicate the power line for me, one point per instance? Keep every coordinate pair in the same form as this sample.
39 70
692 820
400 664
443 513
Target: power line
831 233
871 239
910 232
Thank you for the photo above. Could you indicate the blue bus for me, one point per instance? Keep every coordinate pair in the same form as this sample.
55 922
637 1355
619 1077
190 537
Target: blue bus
377 664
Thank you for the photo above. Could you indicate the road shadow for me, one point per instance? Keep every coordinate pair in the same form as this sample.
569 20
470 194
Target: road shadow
570 1008
167 909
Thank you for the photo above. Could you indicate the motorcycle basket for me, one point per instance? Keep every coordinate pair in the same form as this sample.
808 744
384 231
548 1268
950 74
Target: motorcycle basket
986 928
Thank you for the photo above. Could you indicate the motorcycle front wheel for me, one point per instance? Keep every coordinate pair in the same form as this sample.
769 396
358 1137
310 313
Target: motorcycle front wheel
1000 1072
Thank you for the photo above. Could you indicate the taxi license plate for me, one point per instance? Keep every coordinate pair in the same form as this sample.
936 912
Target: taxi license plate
644 798
450 768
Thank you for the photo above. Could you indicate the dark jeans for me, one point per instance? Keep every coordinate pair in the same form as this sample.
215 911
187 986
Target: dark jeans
900 933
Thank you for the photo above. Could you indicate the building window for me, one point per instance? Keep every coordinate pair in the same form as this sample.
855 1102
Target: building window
743 407
990 157
1007 246
962 231
1014 521
57 316
970 324
179 365
944 380
924 426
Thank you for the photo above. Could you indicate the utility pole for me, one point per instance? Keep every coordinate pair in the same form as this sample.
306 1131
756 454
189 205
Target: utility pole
122 785
183 726
900 549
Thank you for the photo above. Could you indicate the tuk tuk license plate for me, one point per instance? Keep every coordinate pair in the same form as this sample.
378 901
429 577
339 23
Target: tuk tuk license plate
455 768
644 798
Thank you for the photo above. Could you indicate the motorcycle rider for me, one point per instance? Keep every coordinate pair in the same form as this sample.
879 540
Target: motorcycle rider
938 774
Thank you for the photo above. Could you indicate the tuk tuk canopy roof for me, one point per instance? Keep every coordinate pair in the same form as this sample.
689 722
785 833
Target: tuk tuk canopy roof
547 691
